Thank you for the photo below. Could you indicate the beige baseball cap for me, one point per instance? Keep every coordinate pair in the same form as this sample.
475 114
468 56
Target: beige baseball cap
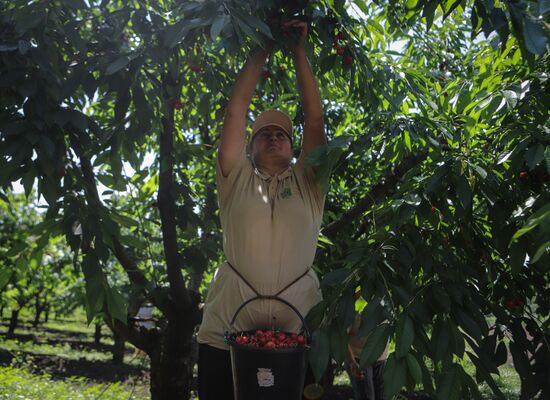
270 118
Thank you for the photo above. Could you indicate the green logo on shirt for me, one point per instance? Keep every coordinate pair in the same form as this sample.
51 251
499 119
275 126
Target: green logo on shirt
286 193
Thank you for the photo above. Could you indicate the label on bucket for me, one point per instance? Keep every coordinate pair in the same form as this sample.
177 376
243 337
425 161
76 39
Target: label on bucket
265 377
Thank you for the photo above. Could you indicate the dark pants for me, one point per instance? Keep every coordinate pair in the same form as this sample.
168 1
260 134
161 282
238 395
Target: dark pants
215 379
372 387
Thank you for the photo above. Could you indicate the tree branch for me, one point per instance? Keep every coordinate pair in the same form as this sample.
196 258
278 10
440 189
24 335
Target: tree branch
376 194
129 265
167 209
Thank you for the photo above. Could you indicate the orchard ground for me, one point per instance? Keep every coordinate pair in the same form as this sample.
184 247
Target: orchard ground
60 360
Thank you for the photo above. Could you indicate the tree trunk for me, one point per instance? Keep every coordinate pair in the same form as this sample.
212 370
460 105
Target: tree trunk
172 363
46 313
118 349
97 334
13 323
38 308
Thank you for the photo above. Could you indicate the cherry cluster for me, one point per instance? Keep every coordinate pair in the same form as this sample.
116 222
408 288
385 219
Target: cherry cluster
342 50
176 104
269 339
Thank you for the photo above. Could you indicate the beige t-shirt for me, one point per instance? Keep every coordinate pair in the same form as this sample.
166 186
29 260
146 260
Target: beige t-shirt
270 228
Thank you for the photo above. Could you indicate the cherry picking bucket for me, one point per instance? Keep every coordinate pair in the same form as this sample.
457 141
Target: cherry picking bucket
267 373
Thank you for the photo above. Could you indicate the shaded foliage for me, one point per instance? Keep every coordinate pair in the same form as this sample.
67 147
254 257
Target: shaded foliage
437 209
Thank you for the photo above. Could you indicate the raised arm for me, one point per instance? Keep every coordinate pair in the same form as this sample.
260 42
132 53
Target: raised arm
314 127
234 123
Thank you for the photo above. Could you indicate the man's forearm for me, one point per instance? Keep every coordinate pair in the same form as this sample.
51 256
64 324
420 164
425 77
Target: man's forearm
309 91
245 84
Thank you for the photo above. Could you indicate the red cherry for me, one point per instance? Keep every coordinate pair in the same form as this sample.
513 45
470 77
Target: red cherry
340 51
270 345
341 35
195 68
348 60
175 104
523 174
266 73
434 210
546 178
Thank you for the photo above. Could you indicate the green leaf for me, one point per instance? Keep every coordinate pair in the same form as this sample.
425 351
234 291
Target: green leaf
5 275
338 343
327 63
133 241
95 293
376 343
440 340
543 249
117 65
535 37
511 98
218 25
408 141
370 317
124 220
259 24
30 17
480 171
249 32
47 145
16 249
547 158
116 304
469 325
485 375
504 156
319 353
449 387
450 6
175 33
28 182
464 192
540 216
394 376
501 353
534 155
414 368
336 276
429 11
404 336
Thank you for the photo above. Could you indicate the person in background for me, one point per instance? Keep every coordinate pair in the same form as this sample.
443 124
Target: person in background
271 212
367 383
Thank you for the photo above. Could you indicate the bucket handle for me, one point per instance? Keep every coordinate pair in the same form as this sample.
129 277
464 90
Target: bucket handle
268 297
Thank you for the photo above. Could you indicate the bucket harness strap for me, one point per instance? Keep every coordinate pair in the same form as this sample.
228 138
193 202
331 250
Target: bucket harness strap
264 296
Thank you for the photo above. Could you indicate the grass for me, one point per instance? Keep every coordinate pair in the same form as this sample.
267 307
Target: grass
17 383
508 381
59 350
71 340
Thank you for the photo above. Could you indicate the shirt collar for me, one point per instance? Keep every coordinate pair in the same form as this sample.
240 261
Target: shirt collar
285 174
